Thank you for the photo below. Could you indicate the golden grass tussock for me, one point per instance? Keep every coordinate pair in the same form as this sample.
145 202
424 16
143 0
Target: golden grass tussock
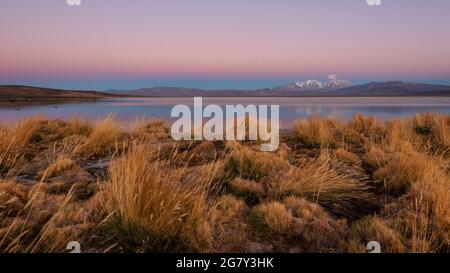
57 168
230 224
34 221
317 182
373 228
346 156
273 217
103 138
13 198
251 191
59 157
367 126
150 129
317 132
78 126
14 140
430 195
152 208
248 164
401 171
297 220
21 134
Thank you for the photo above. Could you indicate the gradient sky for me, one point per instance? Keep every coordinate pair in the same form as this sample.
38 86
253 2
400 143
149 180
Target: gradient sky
107 44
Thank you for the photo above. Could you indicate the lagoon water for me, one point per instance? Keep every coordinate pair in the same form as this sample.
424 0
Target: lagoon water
291 109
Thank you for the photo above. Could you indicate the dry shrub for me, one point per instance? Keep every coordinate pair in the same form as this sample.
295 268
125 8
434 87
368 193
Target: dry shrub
153 210
103 138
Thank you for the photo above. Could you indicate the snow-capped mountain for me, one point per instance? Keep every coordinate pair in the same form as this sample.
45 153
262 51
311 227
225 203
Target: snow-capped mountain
332 84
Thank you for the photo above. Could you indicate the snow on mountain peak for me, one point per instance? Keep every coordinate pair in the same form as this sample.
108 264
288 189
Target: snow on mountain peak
333 83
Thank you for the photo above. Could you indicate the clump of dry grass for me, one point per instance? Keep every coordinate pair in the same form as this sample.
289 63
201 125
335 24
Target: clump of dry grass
59 157
21 134
400 137
14 140
79 126
373 228
422 215
431 196
251 191
300 222
230 226
318 231
13 198
317 182
346 156
401 171
35 221
153 211
273 217
150 129
367 126
103 138
435 129
57 168
249 164
316 132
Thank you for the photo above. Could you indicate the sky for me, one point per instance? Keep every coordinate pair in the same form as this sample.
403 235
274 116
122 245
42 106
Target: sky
126 44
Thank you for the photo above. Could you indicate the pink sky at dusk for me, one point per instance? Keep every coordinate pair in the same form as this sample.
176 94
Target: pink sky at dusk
108 43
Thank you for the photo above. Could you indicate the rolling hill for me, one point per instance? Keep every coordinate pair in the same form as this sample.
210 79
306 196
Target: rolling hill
19 92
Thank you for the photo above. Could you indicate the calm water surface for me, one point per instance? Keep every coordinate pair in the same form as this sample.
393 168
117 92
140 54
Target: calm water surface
127 109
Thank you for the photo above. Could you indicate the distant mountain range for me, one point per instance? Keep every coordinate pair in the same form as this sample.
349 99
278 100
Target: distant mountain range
310 88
